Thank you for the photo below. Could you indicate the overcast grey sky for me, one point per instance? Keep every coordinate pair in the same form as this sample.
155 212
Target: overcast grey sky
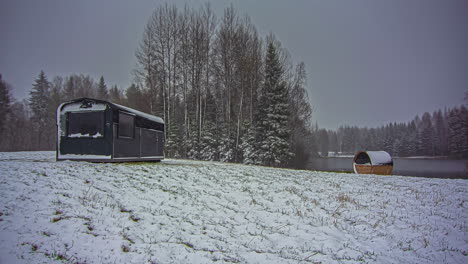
369 62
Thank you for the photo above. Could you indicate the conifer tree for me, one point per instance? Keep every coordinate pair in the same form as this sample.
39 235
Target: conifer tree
5 101
440 134
70 88
324 142
102 92
248 146
426 135
208 143
458 131
134 96
115 95
272 123
172 141
226 147
56 93
39 103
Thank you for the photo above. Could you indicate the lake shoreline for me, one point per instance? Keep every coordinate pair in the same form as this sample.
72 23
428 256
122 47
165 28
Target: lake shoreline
427 167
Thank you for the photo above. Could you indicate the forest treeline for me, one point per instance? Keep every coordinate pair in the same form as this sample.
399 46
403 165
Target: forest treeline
225 92
442 133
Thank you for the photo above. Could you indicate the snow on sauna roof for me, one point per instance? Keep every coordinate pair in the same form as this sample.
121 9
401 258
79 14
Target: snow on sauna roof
377 157
112 105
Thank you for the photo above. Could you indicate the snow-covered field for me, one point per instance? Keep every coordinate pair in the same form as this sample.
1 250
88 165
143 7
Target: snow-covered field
181 211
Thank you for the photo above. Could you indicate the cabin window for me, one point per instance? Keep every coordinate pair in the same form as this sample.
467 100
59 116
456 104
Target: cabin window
126 125
85 125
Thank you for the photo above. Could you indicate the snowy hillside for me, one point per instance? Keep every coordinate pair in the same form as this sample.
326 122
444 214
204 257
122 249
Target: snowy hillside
198 212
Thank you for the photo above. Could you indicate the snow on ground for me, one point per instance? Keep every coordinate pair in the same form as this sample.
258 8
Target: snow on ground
180 211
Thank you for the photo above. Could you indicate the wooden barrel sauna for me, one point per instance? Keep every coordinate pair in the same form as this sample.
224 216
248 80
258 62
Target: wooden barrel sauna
373 162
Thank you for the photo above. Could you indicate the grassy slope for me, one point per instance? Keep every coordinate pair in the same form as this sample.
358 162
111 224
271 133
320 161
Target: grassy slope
188 211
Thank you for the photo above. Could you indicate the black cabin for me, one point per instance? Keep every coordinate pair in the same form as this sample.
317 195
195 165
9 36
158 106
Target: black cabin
96 130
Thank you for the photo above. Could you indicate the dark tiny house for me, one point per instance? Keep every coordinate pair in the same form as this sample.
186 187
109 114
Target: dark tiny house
96 130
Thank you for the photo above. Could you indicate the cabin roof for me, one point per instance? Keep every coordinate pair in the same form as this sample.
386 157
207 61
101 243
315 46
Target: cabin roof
118 107
138 113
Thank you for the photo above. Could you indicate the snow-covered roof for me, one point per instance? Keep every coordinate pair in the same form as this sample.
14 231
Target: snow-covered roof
377 157
101 103
136 112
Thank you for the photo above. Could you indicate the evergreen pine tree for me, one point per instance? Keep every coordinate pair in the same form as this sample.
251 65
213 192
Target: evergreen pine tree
458 131
134 97
69 91
5 101
39 97
209 139
226 146
324 142
102 92
412 139
208 143
426 135
440 134
39 102
172 141
248 146
56 93
272 122
192 146
464 113
396 150
115 95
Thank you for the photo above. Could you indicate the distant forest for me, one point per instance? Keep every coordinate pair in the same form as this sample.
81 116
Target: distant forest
444 133
226 94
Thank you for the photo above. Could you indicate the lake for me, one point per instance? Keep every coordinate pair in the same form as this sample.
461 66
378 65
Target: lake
419 167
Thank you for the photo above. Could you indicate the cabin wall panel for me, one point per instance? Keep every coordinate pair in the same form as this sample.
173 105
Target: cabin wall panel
127 147
149 143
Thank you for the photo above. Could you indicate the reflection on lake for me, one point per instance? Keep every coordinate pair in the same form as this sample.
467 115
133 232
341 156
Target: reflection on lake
420 167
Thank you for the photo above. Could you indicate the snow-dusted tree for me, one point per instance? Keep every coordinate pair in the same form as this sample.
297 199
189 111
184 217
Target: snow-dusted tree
209 139
333 141
208 143
440 134
56 93
17 135
458 131
102 92
324 142
70 88
185 54
426 135
350 137
226 146
86 86
272 124
39 102
412 135
134 97
115 95
396 150
5 101
248 146
173 140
